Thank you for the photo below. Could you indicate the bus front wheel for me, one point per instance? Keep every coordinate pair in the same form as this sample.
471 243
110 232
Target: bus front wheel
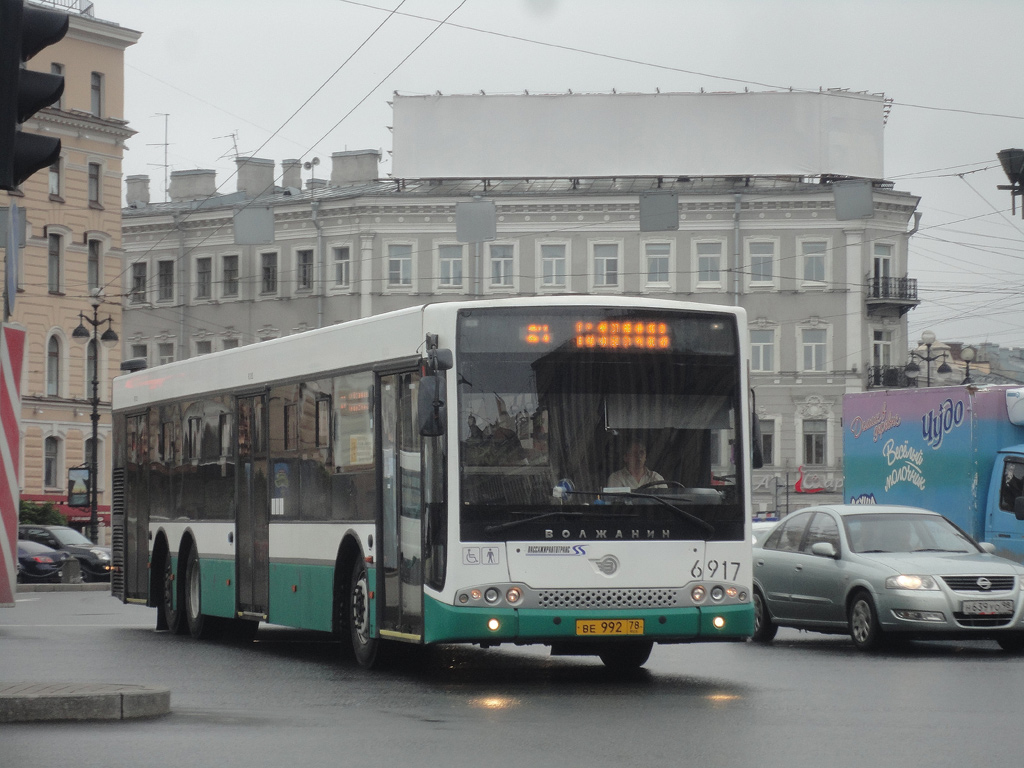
364 645
626 656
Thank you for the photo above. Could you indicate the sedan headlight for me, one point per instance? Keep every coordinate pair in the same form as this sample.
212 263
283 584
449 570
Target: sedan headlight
910 581
100 554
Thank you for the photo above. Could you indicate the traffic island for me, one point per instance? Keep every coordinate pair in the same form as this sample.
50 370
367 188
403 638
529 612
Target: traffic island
27 702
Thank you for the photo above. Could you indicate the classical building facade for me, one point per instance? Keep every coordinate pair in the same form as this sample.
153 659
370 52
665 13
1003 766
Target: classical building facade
826 298
72 250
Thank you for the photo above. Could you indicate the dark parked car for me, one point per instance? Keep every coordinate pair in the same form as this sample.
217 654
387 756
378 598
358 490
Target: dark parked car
880 572
39 563
93 559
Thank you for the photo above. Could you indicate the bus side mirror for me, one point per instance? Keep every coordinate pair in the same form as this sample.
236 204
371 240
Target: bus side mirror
756 447
431 406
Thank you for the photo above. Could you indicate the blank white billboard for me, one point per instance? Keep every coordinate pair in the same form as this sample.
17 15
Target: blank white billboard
665 134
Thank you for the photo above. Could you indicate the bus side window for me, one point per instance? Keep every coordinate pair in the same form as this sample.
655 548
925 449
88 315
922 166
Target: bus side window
354 482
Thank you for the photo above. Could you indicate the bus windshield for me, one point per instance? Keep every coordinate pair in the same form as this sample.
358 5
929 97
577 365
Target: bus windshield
598 423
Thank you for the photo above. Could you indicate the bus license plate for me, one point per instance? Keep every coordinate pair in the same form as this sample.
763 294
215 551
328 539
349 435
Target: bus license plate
987 607
610 627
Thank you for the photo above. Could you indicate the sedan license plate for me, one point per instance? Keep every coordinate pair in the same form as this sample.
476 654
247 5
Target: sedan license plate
987 607
589 627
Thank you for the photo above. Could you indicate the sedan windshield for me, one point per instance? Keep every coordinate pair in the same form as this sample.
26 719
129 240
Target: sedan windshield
899 532
71 537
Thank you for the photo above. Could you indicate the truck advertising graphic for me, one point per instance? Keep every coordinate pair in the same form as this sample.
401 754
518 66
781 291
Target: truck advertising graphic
956 450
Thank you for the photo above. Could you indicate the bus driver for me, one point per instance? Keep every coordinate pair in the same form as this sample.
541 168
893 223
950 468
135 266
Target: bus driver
635 474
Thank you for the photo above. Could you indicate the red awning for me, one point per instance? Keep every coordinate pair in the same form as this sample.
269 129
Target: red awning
77 515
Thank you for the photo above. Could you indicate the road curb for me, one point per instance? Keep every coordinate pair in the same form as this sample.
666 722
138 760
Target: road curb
29 702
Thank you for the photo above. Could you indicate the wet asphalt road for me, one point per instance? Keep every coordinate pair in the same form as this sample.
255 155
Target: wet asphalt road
286 699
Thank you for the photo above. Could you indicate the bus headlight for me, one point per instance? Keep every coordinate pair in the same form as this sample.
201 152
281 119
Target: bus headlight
698 593
493 624
492 595
717 593
514 595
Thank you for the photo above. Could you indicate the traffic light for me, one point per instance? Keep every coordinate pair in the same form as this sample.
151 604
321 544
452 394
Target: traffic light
23 33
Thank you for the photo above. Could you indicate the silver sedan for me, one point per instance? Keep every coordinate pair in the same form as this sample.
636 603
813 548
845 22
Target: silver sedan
884 571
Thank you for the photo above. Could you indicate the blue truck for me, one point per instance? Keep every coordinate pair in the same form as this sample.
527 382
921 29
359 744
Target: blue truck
956 450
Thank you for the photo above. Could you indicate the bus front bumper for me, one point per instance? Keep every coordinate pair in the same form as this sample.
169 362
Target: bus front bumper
451 624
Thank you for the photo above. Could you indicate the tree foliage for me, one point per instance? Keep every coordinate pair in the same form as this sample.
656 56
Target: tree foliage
40 513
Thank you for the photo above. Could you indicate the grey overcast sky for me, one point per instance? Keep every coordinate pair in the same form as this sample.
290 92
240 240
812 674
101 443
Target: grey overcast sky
306 78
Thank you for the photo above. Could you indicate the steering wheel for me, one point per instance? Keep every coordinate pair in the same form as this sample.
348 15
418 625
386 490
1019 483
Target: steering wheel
655 483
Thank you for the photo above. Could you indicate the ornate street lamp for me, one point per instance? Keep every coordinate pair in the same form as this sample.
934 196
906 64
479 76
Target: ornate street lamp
967 354
913 370
109 339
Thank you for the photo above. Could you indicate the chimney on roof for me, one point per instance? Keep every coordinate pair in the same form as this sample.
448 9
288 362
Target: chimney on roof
197 184
137 191
255 176
291 174
356 167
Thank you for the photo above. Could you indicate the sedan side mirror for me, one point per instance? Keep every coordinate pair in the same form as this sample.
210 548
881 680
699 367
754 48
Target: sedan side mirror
824 549
987 546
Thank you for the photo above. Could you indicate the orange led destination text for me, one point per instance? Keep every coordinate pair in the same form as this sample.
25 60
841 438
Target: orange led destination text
623 334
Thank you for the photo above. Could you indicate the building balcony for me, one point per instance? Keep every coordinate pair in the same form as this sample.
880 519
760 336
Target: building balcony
891 294
889 377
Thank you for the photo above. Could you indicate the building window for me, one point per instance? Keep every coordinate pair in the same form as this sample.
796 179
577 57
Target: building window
606 265
229 283
815 432
96 94
768 441
55 178
51 455
709 262
269 267
94 184
54 276
762 350
814 261
552 265
140 352
881 349
165 353
400 265
304 269
657 263
449 267
814 342
342 267
762 257
57 69
229 344
138 294
165 280
502 266
93 266
53 361
204 347
204 277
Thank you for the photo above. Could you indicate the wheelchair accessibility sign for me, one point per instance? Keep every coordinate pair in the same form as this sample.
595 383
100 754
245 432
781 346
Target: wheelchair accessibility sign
481 555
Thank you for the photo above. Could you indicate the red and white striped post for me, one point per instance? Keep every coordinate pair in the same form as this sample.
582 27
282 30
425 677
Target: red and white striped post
12 352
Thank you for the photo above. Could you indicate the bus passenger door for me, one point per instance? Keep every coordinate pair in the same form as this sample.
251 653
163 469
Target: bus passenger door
400 570
134 547
252 514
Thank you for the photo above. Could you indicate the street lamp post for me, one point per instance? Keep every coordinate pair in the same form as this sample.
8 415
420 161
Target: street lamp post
967 354
83 335
913 369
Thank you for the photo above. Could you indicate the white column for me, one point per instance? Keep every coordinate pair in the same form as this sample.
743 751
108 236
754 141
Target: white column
365 275
856 311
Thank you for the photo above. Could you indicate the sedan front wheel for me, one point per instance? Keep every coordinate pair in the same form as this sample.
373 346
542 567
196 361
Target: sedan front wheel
864 629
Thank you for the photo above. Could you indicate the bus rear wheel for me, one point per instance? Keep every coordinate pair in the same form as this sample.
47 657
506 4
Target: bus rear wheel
199 626
170 605
364 645
626 656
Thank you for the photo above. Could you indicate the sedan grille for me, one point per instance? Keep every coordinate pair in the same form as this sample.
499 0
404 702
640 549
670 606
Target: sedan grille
983 621
970 583
607 598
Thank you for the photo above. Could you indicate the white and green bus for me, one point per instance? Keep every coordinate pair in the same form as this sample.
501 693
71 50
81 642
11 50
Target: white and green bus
444 474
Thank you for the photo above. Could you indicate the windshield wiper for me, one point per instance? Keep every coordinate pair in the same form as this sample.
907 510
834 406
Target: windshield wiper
514 523
708 528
